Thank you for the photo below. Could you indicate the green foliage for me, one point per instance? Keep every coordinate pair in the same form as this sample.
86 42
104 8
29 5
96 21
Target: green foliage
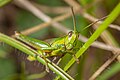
6 73
52 3
37 76
95 35
85 2
31 52
2 52
25 20
4 2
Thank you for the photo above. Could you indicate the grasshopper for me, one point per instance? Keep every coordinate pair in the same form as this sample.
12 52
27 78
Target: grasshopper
58 47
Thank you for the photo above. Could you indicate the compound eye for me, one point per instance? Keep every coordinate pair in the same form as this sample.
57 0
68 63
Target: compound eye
70 33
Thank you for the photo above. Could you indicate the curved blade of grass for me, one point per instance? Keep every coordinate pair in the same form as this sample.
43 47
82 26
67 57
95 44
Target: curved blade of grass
36 76
22 47
108 73
95 35
4 2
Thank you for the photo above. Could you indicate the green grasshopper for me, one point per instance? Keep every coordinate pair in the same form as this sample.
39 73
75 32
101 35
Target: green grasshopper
58 47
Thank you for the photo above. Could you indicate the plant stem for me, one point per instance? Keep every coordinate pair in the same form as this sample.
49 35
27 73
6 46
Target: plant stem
29 51
114 68
95 35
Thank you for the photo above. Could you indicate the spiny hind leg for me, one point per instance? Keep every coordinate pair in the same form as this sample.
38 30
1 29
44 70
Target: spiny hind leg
56 53
59 59
54 60
30 58
74 56
44 57
46 66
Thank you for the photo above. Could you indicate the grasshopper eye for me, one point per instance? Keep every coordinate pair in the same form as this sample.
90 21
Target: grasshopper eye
70 33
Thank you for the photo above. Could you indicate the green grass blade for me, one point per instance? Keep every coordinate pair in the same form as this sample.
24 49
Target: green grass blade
22 47
95 35
4 2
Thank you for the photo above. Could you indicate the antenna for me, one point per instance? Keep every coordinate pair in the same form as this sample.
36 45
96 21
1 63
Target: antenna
95 22
74 21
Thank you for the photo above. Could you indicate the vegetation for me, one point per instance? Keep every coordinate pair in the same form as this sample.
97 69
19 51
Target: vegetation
45 20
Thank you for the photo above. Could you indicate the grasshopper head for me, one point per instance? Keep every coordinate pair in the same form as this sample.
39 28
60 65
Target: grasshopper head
71 39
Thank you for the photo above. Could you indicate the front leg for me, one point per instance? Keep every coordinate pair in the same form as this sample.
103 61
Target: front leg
77 60
44 57
74 56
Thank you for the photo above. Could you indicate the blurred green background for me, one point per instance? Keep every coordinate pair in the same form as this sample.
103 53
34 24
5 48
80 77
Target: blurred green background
13 63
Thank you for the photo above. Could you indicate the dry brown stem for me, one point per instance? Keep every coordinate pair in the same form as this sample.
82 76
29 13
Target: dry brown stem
104 66
53 10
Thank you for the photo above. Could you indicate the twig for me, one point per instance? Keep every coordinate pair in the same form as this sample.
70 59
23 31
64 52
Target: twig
103 67
53 10
106 36
26 4
93 19
45 24
72 3
100 44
